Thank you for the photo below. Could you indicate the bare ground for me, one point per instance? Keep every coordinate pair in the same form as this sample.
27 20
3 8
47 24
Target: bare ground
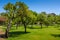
2 34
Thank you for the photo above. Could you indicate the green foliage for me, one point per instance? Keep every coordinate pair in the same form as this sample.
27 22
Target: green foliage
20 12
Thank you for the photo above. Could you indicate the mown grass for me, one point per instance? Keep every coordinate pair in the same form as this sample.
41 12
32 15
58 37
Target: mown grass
35 33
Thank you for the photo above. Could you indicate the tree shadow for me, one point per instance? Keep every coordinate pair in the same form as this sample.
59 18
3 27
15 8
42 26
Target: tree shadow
17 33
56 35
33 28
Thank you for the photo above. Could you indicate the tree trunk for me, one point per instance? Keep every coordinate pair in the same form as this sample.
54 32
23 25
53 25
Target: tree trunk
41 25
25 27
24 23
6 33
8 28
16 26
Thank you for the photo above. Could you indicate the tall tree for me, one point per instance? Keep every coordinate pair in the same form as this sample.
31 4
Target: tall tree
23 13
41 18
10 9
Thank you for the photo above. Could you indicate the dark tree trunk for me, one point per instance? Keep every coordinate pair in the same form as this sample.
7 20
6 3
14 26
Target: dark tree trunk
8 28
41 26
6 33
25 27
32 25
23 22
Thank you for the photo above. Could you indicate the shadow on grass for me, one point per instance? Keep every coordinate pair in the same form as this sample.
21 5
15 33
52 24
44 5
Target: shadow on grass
36 28
17 33
56 35
33 28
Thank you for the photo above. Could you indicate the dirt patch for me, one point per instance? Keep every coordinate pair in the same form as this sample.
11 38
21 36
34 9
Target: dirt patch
2 39
2 34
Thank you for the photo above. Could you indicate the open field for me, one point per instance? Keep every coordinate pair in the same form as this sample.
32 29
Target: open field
34 33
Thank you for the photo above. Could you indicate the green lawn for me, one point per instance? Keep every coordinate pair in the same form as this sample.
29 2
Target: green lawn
35 33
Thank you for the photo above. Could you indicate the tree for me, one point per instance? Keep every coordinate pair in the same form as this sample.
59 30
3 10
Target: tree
10 9
41 18
33 18
57 21
51 19
23 13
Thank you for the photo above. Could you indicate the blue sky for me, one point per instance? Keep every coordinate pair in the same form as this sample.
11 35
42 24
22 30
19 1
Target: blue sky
49 6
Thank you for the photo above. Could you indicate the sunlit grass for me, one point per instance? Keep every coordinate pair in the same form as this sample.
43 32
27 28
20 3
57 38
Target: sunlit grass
36 33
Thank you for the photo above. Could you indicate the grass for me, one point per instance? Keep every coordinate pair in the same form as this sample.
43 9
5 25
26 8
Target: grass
50 33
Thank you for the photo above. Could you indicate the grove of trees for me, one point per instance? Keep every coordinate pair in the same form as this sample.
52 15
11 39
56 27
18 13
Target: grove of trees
19 13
